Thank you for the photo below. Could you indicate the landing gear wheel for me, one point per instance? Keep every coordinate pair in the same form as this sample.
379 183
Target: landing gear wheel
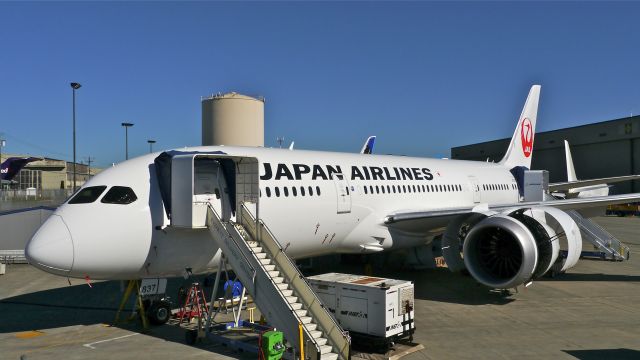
159 313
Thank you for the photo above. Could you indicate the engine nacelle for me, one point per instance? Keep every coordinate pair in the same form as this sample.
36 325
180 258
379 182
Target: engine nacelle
506 250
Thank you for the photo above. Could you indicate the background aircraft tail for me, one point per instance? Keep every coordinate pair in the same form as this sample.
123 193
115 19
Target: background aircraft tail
571 170
12 166
367 148
520 149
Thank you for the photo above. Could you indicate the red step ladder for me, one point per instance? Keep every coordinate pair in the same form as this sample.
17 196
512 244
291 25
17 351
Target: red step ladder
195 304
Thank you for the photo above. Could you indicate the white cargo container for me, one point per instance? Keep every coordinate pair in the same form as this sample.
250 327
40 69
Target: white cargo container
366 305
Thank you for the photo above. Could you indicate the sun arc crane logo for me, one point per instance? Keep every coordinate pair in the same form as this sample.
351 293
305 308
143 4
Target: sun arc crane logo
526 137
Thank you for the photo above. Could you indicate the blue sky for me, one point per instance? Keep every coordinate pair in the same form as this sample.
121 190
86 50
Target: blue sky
422 76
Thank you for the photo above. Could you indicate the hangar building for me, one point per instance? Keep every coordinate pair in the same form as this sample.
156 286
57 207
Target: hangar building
609 148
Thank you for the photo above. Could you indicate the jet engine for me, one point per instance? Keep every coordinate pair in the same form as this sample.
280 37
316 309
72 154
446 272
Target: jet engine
504 250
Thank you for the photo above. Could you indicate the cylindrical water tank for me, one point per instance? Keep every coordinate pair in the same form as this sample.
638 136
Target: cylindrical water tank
232 119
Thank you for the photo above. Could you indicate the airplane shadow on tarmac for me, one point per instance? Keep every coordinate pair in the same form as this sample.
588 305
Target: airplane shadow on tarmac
71 305
618 354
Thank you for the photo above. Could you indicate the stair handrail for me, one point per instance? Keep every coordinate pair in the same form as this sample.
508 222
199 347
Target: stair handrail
218 222
332 330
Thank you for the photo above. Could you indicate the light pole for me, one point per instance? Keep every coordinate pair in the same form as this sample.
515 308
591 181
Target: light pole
3 143
75 86
151 142
126 139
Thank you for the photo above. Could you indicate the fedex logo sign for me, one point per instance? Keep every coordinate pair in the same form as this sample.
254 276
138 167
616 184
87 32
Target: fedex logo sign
526 137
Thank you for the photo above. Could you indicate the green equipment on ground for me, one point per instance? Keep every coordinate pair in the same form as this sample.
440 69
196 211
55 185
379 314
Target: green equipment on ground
272 345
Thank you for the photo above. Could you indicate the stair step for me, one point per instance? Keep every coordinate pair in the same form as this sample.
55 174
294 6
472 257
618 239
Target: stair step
265 261
253 244
282 286
273 273
302 312
269 267
306 319
315 333
321 341
278 280
257 249
311 326
326 349
261 255
291 299
287 293
296 306
329 356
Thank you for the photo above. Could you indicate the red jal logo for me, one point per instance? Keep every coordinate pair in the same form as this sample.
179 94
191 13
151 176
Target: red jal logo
526 136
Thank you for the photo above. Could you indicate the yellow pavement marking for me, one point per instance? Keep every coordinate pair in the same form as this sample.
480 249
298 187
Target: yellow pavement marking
29 334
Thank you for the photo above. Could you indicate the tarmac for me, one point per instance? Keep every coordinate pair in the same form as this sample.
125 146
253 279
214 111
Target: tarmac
591 312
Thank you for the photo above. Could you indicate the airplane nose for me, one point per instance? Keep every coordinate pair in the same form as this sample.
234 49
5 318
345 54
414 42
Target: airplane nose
51 247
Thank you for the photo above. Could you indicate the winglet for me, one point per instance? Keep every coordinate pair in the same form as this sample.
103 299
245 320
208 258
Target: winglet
520 149
367 148
571 170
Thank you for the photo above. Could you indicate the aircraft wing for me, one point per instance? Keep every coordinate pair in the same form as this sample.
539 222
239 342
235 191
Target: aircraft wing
583 183
410 220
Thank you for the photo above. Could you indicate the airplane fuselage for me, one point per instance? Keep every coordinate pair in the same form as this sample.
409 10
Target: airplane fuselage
315 203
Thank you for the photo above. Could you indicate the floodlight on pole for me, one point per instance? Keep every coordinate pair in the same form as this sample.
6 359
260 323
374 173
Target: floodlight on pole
151 142
74 86
126 138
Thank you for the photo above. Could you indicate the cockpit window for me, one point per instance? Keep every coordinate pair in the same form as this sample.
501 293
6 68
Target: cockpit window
119 195
87 195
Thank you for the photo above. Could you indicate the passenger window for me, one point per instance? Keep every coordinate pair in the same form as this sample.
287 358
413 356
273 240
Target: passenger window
377 189
310 191
346 188
87 195
382 188
404 188
365 189
393 187
121 195
286 191
294 191
301 190
277 191
371 189
318 190
268 190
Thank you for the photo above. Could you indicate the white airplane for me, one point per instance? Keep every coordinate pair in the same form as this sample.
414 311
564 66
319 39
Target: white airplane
118 225
584 188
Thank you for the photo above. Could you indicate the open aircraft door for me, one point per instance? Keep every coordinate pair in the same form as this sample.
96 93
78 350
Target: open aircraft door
190 181
343 193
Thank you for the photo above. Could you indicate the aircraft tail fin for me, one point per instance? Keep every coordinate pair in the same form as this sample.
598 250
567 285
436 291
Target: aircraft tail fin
12 166
571 170
521 146
367 148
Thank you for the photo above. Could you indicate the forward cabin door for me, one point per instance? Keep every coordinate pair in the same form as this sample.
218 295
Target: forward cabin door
475 189
343 193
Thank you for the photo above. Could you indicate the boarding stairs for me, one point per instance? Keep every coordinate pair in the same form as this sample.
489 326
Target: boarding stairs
277 287
608 246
